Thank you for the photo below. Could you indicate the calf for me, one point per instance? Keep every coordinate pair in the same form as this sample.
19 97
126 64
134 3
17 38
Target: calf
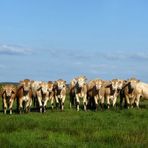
24 96
8 97
81 91
60 92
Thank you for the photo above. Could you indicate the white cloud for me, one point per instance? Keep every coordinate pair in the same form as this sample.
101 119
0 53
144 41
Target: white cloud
13 49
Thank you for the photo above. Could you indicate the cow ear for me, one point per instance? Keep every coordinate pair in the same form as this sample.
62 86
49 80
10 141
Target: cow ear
65 82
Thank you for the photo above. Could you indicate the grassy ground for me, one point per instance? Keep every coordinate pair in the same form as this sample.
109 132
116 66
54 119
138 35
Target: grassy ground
109 128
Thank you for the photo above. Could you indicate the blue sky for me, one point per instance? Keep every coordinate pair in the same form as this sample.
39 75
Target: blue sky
52 39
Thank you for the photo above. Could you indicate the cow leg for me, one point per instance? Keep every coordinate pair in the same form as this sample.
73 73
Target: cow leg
121 101
57 101
85 102
40 103
77 102
96 102
127 101
52 103
108 102
20 105
62 103
45 103
11 104
137 100
5 105
27 108
102 102
114 101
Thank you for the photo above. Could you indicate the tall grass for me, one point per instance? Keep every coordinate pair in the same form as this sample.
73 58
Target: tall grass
108 128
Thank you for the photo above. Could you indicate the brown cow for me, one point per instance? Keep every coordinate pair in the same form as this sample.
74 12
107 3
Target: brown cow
60 92
24 96
8 97
93 92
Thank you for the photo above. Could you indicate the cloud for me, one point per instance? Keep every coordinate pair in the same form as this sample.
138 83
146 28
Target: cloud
125 55
7 49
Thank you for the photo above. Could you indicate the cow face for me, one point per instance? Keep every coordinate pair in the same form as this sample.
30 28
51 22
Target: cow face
133 83
120 84
9 90
36 85
26 85
44 87
114 84
98 84
81 81
50 86
61 84
73 82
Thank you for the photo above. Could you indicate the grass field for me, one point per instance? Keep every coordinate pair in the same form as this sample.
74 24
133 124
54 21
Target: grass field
108 128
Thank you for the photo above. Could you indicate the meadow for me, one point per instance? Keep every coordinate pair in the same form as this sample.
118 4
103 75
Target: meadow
108 128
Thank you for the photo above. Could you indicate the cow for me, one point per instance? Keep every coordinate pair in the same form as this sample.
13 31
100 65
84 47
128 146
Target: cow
93 88
24 96
45 93
60 93
109 92
8 97
81 92
35 86
72 92
140 90
127 93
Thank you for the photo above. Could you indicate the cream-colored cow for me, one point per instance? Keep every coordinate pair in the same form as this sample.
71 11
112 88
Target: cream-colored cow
93 88
45 93
81 92
140 90
60 92
8 97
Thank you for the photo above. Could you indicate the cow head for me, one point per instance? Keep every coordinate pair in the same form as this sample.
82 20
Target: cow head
114 84
81 81
98 84
73 82
60 84
44 87
26 84
120 84
8 90
50 86
133 82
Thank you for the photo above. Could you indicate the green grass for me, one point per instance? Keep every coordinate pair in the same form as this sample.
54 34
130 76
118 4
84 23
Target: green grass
108 128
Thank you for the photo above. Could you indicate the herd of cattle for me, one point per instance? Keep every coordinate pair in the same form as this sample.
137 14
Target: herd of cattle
90 93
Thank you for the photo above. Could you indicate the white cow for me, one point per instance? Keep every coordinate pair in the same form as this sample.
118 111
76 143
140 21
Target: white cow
81 92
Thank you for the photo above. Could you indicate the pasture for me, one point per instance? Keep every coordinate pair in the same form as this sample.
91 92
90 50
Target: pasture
108 128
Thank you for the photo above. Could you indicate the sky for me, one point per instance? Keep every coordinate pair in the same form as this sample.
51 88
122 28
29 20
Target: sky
62 39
